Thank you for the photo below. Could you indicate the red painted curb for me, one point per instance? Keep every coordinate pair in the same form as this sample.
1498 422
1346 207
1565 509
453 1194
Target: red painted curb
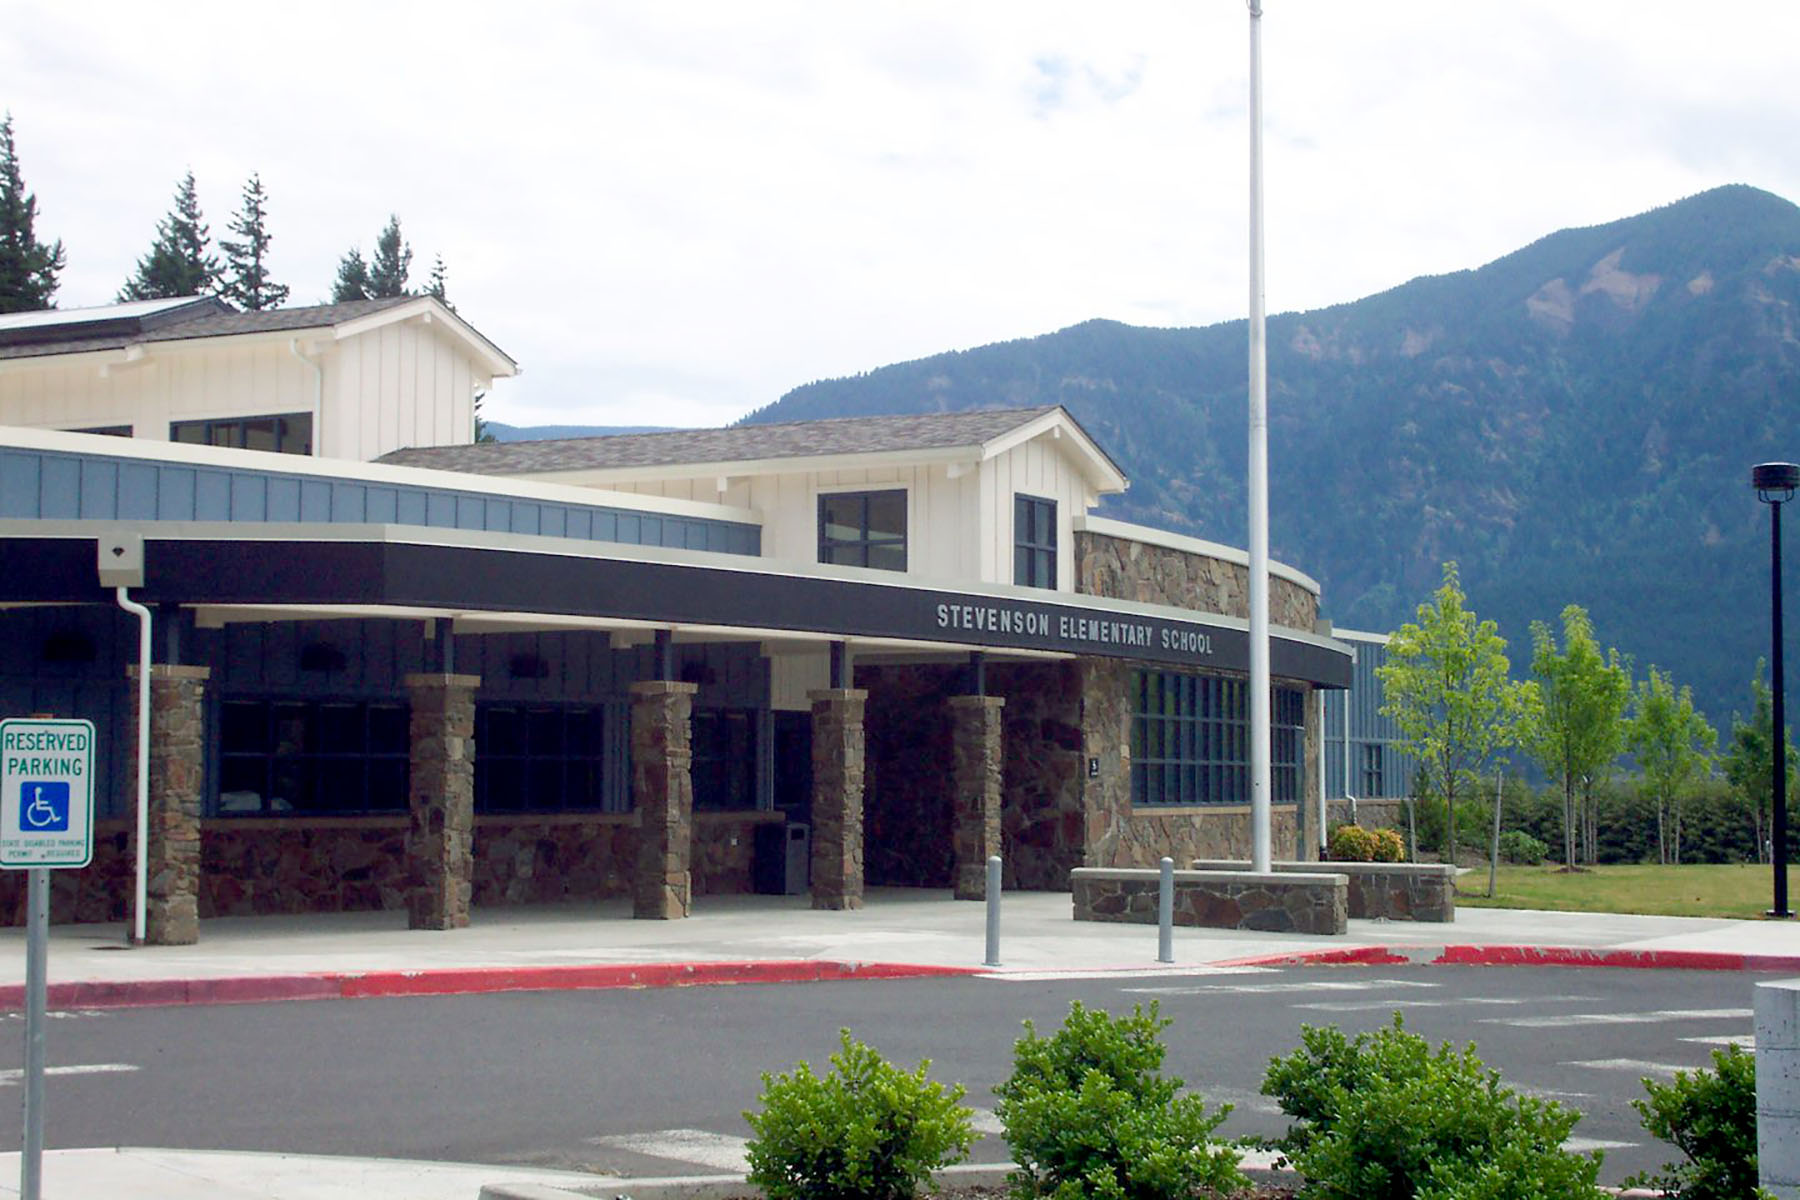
1576 956
472 980
1356 956
262 989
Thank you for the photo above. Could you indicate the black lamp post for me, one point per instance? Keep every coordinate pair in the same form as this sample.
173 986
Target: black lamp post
1775 484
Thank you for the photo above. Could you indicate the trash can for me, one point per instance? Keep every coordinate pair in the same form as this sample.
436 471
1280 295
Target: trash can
781 860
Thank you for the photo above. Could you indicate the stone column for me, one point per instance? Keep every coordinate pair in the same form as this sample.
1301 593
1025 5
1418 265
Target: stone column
837 807
177 775
978 761
662 789
440 841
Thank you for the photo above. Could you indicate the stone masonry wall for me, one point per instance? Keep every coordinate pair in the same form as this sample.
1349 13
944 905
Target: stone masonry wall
1314 904
1126 570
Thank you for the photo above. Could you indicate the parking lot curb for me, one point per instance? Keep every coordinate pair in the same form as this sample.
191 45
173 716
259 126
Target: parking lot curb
1579 956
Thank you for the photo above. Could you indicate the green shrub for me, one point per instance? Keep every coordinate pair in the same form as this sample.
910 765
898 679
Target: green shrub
1089 1116
1384 1117
866 1131
1517 846
1353 843
1710 1116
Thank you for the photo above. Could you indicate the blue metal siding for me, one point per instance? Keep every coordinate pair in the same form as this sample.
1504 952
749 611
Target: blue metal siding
1367 728
52 485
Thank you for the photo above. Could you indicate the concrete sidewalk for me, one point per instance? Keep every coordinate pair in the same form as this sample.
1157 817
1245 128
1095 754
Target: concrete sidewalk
734 939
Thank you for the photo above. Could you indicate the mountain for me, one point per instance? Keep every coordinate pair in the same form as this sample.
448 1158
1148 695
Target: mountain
1573 423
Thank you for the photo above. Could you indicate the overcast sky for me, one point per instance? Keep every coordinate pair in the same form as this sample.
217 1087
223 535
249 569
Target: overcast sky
672 212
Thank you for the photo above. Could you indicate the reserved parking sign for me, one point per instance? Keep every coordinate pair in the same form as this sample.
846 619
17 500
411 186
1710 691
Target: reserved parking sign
46 792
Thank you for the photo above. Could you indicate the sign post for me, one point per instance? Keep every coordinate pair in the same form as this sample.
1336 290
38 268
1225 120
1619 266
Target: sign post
46 823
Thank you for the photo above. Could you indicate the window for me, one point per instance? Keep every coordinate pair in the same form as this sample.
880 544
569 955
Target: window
312 757
1190 740
724 764
290 433
123 431
863 529
539 758
1034 542
1372 783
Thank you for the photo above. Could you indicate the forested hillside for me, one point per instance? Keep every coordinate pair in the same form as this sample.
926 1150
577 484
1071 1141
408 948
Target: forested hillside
1574 422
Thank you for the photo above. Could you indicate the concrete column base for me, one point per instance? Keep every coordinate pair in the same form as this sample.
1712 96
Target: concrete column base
1778 1087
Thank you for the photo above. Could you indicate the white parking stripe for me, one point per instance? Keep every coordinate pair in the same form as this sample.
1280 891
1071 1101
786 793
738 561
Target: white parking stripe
1641 1018
1636 1066
16 1075
1746 1040
1344 1006
1581 1145
1266 989
717 1150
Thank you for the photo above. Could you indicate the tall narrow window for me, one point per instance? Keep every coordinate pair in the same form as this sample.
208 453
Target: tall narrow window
1034 542
863 529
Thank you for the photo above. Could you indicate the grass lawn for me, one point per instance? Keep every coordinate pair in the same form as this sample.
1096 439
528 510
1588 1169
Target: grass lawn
1678 891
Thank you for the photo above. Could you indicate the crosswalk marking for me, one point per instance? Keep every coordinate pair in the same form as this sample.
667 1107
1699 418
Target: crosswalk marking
717 1150
1639 1018
14 1076
1273 988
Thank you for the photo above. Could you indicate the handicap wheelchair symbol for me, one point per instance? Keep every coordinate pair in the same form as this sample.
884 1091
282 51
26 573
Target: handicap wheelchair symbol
44 807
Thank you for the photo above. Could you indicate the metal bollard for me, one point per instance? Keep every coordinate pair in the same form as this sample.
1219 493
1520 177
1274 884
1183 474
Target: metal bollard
993 913
1165 913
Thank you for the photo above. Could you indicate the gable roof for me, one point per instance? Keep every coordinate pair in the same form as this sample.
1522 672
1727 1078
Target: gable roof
980 433
117 326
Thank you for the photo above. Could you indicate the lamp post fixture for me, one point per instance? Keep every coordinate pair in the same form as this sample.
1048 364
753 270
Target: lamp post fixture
1775 484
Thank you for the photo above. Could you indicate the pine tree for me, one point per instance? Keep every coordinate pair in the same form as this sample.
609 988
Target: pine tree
246 281
28 267
352 278
179 262
436 287
392 261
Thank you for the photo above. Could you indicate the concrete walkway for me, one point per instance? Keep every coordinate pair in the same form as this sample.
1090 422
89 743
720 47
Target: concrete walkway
738 939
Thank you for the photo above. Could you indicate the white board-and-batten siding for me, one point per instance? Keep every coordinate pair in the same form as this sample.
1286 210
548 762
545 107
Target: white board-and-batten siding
959 518
394 386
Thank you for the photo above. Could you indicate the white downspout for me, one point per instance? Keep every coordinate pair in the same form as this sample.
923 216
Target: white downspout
318 393
143 762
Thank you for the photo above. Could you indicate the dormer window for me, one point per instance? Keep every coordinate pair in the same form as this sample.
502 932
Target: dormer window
863 529
1034 542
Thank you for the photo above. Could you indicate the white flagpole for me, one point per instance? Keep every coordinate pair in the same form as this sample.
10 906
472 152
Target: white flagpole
1259 478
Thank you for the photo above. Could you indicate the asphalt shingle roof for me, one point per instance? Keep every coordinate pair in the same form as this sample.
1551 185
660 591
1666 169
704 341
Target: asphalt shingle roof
215 321
737 443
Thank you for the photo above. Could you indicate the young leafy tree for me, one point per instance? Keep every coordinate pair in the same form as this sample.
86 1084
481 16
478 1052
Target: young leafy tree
246 281
391 263
1673 745
352 281
1749 760
1447 686
28 267
1578 729
180 262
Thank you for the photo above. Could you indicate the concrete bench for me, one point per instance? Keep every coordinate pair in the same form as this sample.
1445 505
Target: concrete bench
1273 902
1390 891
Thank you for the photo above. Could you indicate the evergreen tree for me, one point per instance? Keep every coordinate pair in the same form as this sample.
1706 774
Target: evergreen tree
1749 761
435 289
28 267
246 281
352 278
179 262
392 261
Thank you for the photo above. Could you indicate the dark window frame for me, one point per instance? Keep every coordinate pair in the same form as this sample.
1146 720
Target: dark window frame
234 432
370 778
1190 741
538 761
1373 774
724 770
1034 554
859 551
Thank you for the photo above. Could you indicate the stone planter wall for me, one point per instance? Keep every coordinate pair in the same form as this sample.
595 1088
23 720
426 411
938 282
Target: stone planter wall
1277 902
1385 891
